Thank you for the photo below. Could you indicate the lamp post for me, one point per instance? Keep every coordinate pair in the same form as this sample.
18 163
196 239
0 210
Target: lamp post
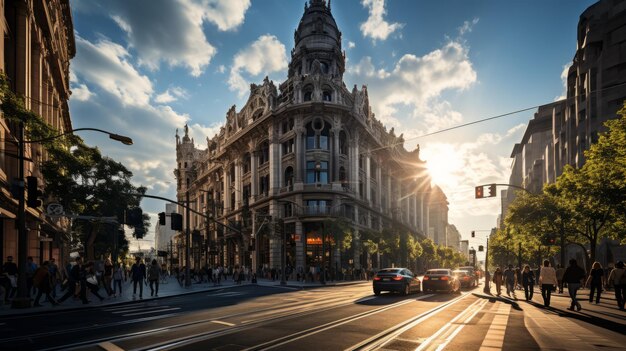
487 289
23 295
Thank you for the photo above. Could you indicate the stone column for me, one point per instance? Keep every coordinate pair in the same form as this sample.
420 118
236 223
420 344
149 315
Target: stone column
300 248
254 175
237 184
368 176
300 150
275 168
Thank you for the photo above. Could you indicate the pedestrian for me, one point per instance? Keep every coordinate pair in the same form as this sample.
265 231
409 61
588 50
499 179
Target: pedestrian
595 282
547 279
138 274
108 276
153 278
9 268
528 282
560 271
510 279
41 281
118 275
55 275
617 278
574 276
31 267
91 280
498 279
75 283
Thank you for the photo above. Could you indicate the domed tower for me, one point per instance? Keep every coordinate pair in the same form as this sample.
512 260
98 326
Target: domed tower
317 47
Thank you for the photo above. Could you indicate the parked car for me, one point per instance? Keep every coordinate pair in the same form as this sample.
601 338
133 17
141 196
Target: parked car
465 277
441 279
473 273
400 280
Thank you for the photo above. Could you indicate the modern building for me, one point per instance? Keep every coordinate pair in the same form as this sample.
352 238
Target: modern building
560 132
304 167
36 51
438 217
163 234
453 237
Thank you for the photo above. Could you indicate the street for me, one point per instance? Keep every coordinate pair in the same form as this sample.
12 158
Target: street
269 316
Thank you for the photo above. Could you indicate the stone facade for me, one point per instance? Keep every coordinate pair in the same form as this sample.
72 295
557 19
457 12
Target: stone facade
36 51
296 158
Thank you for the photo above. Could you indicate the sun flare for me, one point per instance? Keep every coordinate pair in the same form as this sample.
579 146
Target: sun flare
444 161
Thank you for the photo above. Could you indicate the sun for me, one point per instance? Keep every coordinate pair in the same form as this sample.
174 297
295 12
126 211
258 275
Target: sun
443 162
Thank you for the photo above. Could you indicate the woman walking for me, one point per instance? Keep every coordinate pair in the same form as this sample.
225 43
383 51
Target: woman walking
573 276
595 282
153 277
528 282
547 279
617 278
118 275
498 278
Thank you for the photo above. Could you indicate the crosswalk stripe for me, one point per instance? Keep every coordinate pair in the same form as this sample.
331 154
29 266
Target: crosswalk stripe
108 346
494 340
148 312
227 294
223 323
138 309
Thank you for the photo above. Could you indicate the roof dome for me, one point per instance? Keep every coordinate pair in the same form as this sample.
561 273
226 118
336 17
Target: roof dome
317 28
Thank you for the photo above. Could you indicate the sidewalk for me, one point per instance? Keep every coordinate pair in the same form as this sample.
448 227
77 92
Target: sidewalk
168 289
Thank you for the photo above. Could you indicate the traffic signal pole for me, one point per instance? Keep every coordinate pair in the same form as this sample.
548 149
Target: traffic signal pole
187 243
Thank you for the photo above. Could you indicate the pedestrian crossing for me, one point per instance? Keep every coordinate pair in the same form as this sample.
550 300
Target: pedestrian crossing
143 309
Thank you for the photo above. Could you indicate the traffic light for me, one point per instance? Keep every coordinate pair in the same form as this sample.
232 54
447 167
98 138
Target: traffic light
33 192
479 192
492 190
473 234
162 218
134 217
481 248
176 221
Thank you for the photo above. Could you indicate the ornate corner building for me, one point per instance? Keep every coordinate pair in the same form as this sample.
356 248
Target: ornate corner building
296 159
36 51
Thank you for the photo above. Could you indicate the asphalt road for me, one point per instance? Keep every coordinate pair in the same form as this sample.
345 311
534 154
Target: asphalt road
265 317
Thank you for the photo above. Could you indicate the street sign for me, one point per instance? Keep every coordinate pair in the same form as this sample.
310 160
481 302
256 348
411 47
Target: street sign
54 209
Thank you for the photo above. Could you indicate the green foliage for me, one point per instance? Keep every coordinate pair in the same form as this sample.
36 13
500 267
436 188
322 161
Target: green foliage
78 177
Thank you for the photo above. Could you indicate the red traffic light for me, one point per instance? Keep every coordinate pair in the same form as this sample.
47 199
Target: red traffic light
479 192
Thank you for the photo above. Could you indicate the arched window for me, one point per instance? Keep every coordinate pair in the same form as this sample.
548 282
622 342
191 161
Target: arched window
324 67
317 135
343 143
308 95
327 96
289 176
317 172
264 153
247 162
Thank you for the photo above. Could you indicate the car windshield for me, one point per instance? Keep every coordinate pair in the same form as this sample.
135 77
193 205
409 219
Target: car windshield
389 270
460 273
440 271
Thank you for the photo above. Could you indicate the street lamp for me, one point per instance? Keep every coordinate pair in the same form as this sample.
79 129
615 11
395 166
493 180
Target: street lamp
23 295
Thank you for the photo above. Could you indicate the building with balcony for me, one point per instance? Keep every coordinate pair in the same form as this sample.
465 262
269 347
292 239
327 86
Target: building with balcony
36 51
296 159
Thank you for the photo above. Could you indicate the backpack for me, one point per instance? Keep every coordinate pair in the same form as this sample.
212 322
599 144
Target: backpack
622 279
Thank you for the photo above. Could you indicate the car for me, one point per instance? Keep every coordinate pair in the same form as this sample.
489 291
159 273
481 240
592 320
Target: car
473 273
400 280
441 279
464 277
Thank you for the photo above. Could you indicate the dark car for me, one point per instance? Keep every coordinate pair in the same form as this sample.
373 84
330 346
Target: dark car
441 279
473 273
467 279
401 280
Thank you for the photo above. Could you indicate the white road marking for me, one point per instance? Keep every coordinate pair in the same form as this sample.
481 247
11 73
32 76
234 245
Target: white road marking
495 335
148 312
228 294
224 323
108 346
127 310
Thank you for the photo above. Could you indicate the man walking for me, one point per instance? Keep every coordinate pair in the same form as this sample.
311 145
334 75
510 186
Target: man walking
10 269
574 276
138 273
510 279
76 281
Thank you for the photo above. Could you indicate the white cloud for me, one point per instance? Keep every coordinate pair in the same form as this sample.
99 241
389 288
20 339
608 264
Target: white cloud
81 93
171 94
225 14
106 64
518 129
171 31
564 81
468 26
221 69
351 45
375 26
266 55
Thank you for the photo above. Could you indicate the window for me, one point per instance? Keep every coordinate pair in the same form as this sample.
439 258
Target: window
288 210
232 201
287 125
247 161
308 95
343 178
264 153
317 135
373 169
288 147
289 176
360 161
264 184
343 143
324 67
318 206
317 172
327 96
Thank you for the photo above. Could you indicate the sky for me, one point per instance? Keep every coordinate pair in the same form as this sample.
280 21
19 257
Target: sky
144 68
